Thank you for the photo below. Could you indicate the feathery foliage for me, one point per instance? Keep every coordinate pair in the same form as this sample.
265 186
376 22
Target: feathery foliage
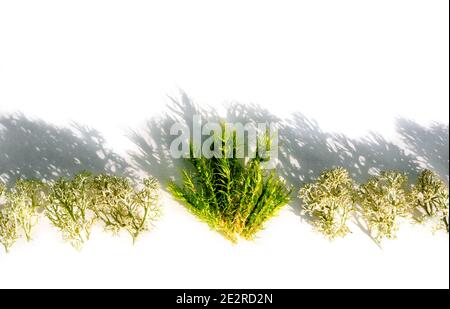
119 206
20 210
8 228
74 205
429 198
329 201
233 197
383 199
69 208
24 200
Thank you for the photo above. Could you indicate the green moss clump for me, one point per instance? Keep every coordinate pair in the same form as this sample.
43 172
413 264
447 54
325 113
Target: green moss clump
234 197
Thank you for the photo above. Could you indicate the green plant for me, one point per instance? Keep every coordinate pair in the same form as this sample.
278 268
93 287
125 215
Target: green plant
119 206
383 199
232 196
69 207
329 201
24 201
429 198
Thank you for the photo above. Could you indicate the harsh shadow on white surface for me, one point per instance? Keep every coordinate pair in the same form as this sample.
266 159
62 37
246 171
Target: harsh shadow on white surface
305 150
153 141
31 148
430 144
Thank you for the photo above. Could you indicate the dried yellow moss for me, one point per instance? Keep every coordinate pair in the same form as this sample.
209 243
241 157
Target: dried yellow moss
429 198
383 200
329 201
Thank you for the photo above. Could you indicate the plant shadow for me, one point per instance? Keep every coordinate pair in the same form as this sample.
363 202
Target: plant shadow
430 144
153 154
305 150
31 148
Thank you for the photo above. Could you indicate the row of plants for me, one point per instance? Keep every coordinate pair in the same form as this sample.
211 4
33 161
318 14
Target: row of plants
237 197
384 199
234 196
74 205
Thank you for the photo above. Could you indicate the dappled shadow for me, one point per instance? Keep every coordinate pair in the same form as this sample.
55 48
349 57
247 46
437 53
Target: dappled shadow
304 149
32 148
153 140
430 144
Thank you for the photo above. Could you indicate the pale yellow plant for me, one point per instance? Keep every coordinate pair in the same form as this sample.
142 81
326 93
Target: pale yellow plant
119 206
329 201
24 201
430 200
383 200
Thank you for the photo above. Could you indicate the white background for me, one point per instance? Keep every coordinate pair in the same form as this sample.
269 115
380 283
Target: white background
354 66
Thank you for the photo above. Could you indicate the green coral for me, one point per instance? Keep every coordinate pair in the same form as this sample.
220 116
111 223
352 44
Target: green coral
430 200
233 196
329 201
384 199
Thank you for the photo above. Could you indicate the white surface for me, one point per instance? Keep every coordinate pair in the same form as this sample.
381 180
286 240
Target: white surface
354 66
